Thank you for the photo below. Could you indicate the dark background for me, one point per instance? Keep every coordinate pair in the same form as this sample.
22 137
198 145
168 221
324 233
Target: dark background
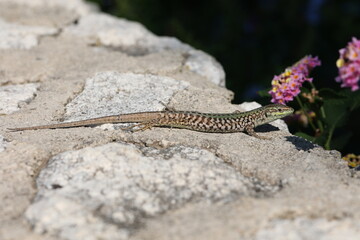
256 39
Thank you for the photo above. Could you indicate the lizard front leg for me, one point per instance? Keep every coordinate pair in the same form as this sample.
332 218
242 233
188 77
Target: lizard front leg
250 130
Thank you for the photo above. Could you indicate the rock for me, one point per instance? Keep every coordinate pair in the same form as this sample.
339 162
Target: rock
66 61
12 96
130 37
15 36
136 93
80 7
86 193
301 228
2 143
134 39
205 65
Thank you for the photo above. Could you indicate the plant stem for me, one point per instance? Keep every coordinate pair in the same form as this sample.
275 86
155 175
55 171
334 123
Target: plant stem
322 112
328 139
323 116
312 85
331 131
321 126
306 114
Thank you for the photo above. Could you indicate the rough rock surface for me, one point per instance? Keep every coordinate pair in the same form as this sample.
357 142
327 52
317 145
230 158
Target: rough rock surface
20 36
133 39
66 61
106 192
12 96
103 93
2 144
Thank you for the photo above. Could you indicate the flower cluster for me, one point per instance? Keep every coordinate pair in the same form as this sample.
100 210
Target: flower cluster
311 96
349 65
352 159
287 85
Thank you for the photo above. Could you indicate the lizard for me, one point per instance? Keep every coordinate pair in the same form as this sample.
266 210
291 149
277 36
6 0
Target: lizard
196 121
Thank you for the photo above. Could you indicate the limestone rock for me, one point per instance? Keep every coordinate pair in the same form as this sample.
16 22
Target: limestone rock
136 93
78 6
12 96
2 143
15 36
106 191
301 228
134 39
63 60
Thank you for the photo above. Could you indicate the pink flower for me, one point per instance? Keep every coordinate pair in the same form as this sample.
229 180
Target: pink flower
287 85
349 65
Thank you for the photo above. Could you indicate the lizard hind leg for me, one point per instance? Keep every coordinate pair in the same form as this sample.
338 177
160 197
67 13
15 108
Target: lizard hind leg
167 108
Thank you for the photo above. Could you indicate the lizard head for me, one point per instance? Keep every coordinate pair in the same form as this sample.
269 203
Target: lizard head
277 111
273 112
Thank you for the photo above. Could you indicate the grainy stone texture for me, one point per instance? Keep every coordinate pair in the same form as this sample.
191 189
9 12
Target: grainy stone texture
13 96
15 36
105 183
103 93
2 143
205 65
107 191
308 229
130 37
76 6
133 39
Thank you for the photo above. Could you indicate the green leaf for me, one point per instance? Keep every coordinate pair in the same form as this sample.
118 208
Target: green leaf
321 140
354 97
264 93
328 93
304 90
306 136
335 113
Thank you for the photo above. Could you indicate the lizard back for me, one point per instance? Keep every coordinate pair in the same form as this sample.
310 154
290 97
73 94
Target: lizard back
205 122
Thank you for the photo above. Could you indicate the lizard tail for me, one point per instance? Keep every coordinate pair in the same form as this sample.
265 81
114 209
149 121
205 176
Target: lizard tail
122 118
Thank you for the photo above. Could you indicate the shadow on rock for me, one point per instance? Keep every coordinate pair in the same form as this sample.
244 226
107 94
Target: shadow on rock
266 128
300 143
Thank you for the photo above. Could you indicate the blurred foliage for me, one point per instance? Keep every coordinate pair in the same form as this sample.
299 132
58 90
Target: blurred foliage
327 115
255 40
